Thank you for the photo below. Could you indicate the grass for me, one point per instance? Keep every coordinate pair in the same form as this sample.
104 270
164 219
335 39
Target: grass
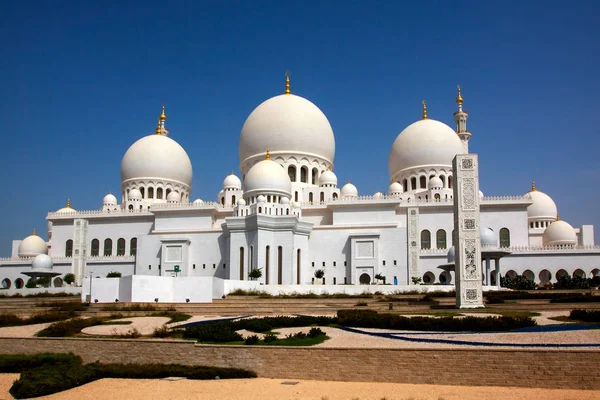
39 318
516 314
174 316
308 341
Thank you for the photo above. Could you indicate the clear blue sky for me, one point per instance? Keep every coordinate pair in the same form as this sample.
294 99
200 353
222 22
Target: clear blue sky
82 81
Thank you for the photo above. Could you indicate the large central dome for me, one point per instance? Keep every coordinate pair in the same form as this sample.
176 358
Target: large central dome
425 143
287 124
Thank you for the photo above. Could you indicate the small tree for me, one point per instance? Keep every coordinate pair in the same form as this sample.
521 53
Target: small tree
31 283
380 277
43 281
416 280
69 278
113 274
256 273
319 274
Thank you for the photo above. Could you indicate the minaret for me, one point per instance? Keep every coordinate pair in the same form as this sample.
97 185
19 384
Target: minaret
460 117
160 128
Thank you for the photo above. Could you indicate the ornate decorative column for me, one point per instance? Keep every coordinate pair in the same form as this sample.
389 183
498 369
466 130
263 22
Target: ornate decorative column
469 292
413 243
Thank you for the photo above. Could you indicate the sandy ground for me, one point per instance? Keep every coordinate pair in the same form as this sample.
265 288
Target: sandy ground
273 389
144 325
22 331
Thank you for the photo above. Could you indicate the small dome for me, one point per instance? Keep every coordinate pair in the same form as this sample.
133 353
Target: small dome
232 182
559 233
156 157
242 202
135 194
349 190
435 183
49 226
378 195
543 207
328 178
287 123
261 199
110 199
285 200
297 204
395 188
42 261
67 209
197 202
488 238
424 143
267 176
32 245
451 255
480 194
173 197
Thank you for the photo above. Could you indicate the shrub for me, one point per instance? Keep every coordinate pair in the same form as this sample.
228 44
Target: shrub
113 274
269 338
69 328
314 332
251 340
255 273
40 318
161 332
219 332
69 278
519 282
361 304
132 307
31 283
416 280
585 315
568 282
319 274
380 277
371 319
576 298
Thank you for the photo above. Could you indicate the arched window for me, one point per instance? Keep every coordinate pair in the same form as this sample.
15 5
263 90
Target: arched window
233 200
241 263
298 263
443 179
133 247
322 199
279 265
295 196
130 207
167 193
107 247
315 176
223 200
423 182
69 248
437 196
121 247
150 192
335 196
259 210
425 239
304 174
405 185
449 182
504 237
95 248
310 197
267 262
143 191
292 173
440 238
413 183
159 192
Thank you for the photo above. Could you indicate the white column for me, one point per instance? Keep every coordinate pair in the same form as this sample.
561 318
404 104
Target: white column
497 262
488 275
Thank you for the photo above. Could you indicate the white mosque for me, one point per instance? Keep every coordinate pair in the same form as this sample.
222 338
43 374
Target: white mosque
288 217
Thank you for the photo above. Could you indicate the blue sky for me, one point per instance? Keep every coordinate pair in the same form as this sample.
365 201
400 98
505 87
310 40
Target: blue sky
82 81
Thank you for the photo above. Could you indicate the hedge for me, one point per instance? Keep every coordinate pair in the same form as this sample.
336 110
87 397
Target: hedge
45 374
585 315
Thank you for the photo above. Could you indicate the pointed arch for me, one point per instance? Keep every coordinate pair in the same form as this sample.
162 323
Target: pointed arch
425 239
504 237
440 238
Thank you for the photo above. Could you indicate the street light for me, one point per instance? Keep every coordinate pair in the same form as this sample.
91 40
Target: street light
91 276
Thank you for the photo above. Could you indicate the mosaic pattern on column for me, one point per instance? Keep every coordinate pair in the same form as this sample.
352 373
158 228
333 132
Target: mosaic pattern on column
466 225
78 266
413 243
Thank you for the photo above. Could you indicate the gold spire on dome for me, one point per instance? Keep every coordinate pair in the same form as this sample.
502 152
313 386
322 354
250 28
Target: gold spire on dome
557 216
268 156
424 102
162 116
158 127
287 82
68 203
459 99
34 234
533 189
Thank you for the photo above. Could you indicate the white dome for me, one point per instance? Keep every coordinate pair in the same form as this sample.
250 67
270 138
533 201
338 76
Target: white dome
328 178
395 188
135 194
559 233
242 202
67 209
425 142
173 197
435 183
32 245
488 238
543 207
261 199
197 202
451 257
42 261
481 194
232 182
156 157
285 200
287 123
349 190
110 199
297 204
378 195
267 176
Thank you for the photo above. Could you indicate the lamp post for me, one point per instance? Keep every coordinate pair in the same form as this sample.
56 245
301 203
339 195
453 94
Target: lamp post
91 276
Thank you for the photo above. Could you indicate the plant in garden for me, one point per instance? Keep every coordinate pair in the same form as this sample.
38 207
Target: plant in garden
319 274
69 278
256 273
113 274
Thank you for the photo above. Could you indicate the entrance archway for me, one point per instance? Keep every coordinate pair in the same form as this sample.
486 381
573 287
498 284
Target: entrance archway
364 279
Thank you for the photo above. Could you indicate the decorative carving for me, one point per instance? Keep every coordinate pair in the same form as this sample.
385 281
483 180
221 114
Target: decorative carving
467 163
413 243
413 212
468 194
470 260
471 294
469 223
365 249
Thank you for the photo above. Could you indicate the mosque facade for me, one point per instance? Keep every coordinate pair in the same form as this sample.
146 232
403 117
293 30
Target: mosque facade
288 216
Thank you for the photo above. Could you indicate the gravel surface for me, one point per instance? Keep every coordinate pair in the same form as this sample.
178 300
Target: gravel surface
273 389
144 325
22 331
6 381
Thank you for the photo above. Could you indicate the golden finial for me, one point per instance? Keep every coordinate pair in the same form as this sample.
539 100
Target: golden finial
68 203
287 82
533 189
424 109
34 234
459 99
557 216
268 156
158 127
162 116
